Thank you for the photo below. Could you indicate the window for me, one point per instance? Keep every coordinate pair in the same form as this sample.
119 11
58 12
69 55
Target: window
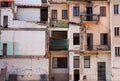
44 1
117 31
116 9
4 49
5 4
76 38
76 11
64 14
5 21
59 62
86 61
54 14
76 61
102 11
117 51
104 39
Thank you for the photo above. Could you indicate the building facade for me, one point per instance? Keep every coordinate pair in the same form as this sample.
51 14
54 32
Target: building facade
23 47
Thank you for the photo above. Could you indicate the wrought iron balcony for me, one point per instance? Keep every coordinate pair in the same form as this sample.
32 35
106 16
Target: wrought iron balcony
89 18
58 44
58 23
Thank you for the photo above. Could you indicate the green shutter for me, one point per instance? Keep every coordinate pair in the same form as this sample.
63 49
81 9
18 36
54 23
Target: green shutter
16 48
1 48
9 48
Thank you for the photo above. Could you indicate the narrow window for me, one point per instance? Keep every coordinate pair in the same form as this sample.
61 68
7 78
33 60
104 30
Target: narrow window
4 49
117 31
104 38
5 21
76 61
76 11
117 51
116 9
54 14
44 1
86 61
64 14
76 39
59 62
102 11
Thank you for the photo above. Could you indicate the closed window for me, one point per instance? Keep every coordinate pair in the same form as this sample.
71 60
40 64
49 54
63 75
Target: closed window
104 38
117 51
64 14
76 61
117 31
54 14
59 62
76 39
44 1
102 11
86 61
116 9
76 11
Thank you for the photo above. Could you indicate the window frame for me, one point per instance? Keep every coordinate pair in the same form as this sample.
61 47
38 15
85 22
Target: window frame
102 10
76 61
116 9
75 35
86 58
64 14
57 66
117 51
117 31
76 9
54 14
102 40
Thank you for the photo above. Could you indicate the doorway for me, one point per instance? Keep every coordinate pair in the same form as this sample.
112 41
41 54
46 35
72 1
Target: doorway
76 75
101 71
89 13
89 41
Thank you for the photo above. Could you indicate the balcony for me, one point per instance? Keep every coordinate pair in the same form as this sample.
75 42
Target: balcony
58 44
58 23
89 18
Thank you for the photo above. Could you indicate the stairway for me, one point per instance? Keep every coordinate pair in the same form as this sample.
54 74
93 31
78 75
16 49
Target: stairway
3 74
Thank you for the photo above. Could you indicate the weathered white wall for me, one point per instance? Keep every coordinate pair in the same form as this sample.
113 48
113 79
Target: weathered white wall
29 42
6 12
30 68
28 14
25 24
28 2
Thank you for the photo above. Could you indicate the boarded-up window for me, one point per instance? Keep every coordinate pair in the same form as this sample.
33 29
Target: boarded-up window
102 11
76 39
59 62
76 11
116 9
54 14
117 31
104 38
117 51
64 14
76 61
86 61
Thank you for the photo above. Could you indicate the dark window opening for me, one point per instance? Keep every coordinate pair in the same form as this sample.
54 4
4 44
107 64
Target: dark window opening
44 14
5 49
6 4
54 14
76 75
64 14
116 9
104 39
59 34
89 13
76 39
59 62
86 61
117 31
102 11
89 41
5 21
44 1
76 11
117 51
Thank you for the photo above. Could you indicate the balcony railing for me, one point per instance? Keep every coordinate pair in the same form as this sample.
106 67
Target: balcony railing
58 23
89 17
58 44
